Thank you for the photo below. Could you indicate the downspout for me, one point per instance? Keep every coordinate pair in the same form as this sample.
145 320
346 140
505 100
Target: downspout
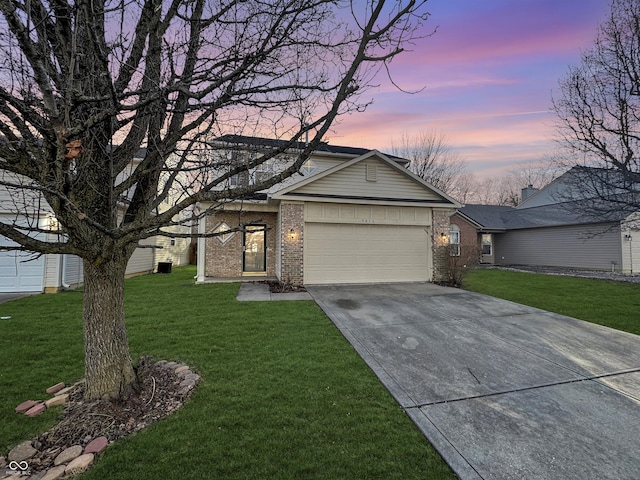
62 283
201 244
631 254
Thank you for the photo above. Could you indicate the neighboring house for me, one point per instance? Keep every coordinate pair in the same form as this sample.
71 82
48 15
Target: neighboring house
49 273
548 229
350 216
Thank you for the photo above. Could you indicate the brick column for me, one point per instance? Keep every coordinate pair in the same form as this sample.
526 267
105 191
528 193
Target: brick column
292 241
440 244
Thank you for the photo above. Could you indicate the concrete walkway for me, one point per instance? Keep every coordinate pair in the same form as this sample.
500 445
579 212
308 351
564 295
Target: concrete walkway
259 292
503 391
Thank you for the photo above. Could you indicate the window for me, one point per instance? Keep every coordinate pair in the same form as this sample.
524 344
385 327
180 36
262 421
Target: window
486 243
237 158
308 167
454 240
264 171
224 238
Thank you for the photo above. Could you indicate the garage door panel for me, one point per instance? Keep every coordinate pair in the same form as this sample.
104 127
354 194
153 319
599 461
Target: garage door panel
18 275
364 253
20 271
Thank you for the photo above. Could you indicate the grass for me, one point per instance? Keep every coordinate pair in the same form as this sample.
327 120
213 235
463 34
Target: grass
612 304
282 395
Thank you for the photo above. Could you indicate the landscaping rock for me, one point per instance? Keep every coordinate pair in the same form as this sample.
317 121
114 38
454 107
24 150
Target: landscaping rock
21 452
97 445
80 464
57 400
55 473
192 376
36 410
190 383
37 476
181 368
24 406
3 462
65 391
55 388
68 455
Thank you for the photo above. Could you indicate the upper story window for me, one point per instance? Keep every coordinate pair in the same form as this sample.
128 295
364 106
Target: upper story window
308 167
264 171
237 158
454 240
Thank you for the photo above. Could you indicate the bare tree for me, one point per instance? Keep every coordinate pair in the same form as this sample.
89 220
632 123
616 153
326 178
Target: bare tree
108 106
433 160
507 189
598 113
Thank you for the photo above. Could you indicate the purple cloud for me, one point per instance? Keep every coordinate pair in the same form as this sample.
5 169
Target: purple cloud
485 79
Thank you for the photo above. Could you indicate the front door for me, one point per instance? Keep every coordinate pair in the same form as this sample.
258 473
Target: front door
254 248
486 246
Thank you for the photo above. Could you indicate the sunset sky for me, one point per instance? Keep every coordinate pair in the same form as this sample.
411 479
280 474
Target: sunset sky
489 73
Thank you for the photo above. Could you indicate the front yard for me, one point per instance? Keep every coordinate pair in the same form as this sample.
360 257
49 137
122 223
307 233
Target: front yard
282 394
608 303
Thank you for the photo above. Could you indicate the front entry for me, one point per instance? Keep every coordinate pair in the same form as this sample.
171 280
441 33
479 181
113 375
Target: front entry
254 249
486 245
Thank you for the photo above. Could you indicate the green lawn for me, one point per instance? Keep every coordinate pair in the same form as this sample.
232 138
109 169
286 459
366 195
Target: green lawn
282 394
613 304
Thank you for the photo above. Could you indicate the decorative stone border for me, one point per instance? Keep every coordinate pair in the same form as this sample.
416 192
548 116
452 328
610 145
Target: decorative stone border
77 458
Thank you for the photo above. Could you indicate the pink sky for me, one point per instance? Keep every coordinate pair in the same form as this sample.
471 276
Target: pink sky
489 73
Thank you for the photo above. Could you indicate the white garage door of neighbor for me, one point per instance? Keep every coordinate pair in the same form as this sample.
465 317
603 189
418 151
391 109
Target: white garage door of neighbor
19 275
365 253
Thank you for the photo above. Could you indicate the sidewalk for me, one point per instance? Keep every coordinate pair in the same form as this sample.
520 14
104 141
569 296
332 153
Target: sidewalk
259 292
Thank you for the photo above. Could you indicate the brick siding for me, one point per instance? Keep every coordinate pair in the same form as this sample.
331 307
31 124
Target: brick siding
292 252
468 233
440 246
225 260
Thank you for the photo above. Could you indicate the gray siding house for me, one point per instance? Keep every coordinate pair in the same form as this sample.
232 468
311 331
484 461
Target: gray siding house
552 227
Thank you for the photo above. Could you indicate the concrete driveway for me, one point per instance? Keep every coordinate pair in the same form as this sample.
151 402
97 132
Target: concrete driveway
503 391
7 297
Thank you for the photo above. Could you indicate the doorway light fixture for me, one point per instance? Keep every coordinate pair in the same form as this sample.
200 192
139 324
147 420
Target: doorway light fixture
292 234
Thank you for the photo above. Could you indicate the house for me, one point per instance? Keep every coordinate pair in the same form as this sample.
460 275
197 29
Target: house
350 215
563 225
49 273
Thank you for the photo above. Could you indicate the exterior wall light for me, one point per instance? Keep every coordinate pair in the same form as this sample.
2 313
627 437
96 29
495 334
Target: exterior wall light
52 223
292 234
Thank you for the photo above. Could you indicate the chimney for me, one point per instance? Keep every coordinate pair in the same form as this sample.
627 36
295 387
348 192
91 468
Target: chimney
527 192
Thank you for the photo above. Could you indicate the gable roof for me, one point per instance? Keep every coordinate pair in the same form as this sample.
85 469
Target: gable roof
323 147
410 190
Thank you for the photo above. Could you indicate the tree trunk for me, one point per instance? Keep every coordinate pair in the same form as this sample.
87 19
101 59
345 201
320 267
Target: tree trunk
109 370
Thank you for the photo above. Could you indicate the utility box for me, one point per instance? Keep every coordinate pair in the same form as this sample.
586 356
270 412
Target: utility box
164 267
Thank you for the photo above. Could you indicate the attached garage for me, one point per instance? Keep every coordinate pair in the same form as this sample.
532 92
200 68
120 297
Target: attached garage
20 272
351 243
361 253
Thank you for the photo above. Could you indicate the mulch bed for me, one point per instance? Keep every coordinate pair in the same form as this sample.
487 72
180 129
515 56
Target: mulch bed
279 287
160 394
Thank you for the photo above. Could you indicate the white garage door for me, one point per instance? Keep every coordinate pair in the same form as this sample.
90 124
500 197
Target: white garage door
365 253
19 275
